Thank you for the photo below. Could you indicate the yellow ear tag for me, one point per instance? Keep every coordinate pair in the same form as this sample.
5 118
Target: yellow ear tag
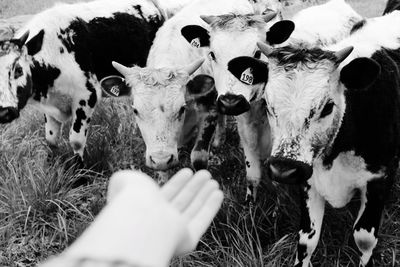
247 76
195 43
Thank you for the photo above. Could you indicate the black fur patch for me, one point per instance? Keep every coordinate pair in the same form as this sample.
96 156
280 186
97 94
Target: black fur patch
24 93
289 57
201 88
358 26
43 77
392 5
123 38
80 116
191 32
240 64
82 103
93 97
280 32
371 124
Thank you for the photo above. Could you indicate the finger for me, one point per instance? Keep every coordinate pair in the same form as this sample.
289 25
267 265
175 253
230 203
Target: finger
171 188
189 191
135 180
199 200
199 223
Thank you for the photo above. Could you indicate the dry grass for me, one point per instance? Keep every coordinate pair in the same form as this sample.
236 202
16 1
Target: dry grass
41 211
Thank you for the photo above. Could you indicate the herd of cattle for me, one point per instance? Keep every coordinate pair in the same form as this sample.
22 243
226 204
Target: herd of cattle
315 97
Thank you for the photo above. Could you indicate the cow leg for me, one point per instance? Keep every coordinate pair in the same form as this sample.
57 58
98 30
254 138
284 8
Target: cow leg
366 228
82 110
312 213
200 152
52 129
220 132
248 132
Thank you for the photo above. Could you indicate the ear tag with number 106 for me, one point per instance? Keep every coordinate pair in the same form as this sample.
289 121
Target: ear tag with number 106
195 42
247 76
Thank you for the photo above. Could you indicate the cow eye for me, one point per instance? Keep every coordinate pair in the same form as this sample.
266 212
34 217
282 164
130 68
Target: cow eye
257 54
136 111
212 56
181 111
18 72
327 109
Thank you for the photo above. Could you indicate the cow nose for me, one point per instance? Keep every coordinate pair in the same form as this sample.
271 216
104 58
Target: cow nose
8 114
231 104
288 171
162 161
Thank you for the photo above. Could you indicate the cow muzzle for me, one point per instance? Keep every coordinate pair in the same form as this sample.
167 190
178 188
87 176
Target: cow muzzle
8 114
288 171
161 161
231 104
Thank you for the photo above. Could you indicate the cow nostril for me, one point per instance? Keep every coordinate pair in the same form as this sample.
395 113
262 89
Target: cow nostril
152 161
170 159
284 174
288 173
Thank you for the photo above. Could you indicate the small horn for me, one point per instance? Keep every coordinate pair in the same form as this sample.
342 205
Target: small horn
190 69
209 19
343 54
265 49
121 68
269 16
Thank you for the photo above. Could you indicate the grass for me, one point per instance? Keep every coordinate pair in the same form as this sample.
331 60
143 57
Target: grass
42 211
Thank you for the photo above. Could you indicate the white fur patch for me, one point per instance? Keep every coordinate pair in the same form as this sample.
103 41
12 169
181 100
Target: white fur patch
337 185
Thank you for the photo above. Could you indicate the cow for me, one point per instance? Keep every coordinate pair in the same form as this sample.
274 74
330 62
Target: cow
334 114
391 5
56 60
160 105
244 100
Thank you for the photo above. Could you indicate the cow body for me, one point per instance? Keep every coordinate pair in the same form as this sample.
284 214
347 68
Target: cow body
335 120
170 52
69 49
325 24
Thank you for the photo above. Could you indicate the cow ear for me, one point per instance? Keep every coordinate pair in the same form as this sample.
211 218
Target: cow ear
20 41
34 45
249 70
200 85
201 90
280 32
360 73
114 86
196 35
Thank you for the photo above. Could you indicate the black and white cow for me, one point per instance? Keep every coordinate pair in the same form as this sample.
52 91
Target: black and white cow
57 59
244 100
391 5
335 121
160 93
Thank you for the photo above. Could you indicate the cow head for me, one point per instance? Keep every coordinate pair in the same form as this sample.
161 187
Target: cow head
159 102
241 32
305 98
15 74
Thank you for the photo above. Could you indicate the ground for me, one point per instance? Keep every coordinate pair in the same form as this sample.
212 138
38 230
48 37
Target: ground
42 210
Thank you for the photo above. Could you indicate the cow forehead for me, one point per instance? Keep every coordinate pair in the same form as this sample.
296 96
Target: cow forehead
244 43
294 93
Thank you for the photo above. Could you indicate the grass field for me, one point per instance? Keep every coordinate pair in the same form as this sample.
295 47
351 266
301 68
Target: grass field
41 212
